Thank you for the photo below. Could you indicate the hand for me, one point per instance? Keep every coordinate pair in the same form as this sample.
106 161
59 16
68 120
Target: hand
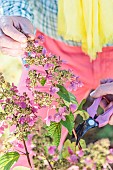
12 41
106 90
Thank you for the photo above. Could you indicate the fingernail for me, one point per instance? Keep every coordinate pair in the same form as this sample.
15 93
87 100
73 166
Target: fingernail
23 39
24 45
92 93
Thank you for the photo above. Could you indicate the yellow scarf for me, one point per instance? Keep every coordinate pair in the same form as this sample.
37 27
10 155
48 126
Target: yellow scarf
87 21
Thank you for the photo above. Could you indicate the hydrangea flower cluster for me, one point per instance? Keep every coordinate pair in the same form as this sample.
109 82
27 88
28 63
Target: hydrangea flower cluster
27 133
95 156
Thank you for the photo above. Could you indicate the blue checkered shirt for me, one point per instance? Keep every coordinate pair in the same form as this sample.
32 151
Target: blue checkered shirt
43 14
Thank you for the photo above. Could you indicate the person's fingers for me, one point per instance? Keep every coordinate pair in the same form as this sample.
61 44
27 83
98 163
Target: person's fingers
6 25
106 107
6 41
109 105
102 90
28 30
106 100
106 81
109 97
10 52
104 103
14 33
111 120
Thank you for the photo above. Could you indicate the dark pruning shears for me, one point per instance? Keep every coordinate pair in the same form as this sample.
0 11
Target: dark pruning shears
94 120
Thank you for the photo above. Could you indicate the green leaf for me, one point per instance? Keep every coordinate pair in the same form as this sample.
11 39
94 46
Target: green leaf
80 107
54 130
82 113
67 144
63 93
21 168
8 159
67 97
82 144
43 81
73 99
69 123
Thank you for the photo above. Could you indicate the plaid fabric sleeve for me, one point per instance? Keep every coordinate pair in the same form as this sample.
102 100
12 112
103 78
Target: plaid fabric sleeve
16 8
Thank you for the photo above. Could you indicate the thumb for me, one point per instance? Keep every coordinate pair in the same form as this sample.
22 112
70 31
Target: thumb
102 90
111 120
28 31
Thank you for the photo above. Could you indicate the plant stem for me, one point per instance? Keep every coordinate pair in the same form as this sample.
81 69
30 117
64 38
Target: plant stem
27 153
79 146
49 164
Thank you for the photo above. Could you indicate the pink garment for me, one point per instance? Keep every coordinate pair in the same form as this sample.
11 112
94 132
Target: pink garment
90 72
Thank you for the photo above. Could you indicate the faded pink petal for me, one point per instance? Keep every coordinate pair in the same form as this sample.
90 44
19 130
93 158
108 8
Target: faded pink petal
44 51
80 153
74 167
73 86
62 110
22 120
55 158
23 105
28 80
41 38
33 54
70 151
25 54
3 125
47 66
30 119
73 107
57 117
109 159
53 90
51 150
19 145
111 151
63 118
14 88
49 76
36 44
88 161
73 158
48 120
1 101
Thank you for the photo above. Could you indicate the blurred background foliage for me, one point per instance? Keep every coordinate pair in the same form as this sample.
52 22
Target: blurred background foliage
11 68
